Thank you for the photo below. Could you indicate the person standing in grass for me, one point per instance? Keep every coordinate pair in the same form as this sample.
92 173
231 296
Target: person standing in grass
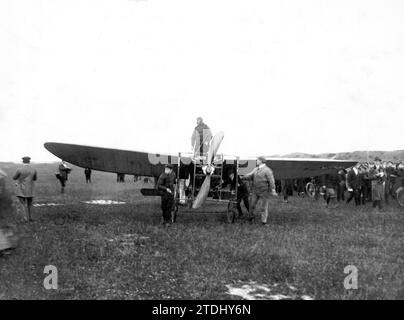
330 184
354 185
87 173
263 184
166 186
377 176
341 187
25 177
286 189
63 175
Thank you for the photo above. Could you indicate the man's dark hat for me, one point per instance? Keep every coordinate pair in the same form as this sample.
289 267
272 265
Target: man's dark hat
170 166
378 159
26 158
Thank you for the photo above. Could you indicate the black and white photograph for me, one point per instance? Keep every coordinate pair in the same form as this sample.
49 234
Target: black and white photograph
218 152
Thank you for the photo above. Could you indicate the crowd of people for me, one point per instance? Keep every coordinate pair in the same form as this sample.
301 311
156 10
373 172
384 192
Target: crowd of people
375 181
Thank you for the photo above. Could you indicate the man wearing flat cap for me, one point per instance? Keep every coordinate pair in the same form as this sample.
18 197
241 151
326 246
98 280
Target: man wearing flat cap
25 177
166 186
263 185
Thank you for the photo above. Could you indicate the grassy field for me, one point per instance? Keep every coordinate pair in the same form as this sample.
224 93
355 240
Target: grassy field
121 251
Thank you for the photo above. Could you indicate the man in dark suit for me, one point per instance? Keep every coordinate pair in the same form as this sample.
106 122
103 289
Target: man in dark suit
354 185
341 186
87 173
166 186
286 189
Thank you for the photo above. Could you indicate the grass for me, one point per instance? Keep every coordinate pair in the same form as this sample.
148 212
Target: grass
121 251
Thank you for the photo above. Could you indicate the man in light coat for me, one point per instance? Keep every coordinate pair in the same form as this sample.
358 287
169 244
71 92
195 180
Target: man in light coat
25 177
263 184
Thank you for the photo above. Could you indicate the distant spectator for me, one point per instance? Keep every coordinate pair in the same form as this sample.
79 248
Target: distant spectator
286 189
330 183
25 177
87 173
63 175
341 186
354 185
377 176
120 177
390 180
366 183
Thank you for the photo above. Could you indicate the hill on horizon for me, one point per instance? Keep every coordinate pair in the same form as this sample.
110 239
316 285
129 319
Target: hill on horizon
361 156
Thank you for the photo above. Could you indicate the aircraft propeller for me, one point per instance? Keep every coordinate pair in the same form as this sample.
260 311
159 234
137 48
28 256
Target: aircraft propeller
204 190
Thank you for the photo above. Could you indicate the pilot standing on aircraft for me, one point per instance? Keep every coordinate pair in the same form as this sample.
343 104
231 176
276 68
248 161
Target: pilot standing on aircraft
201 137
263 184
166 186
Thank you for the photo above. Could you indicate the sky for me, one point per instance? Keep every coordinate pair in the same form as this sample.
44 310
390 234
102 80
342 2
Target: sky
276 77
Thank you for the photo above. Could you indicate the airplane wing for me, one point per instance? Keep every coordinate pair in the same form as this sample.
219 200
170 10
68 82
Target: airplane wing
149 164
112 160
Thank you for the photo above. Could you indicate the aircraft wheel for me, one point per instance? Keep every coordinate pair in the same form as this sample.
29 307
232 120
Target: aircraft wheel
311 189
231 212
400 196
